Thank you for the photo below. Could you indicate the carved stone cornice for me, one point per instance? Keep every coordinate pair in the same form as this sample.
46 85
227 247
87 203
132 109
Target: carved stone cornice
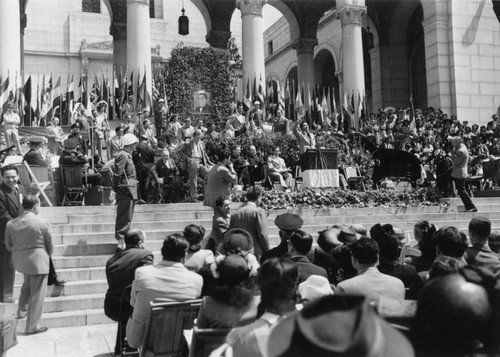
305 45
142 2
118 30
352 14
251 7
218 39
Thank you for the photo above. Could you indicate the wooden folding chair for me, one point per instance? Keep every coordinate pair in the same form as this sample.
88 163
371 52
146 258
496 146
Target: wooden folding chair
40 178
353 176
163 335
206 340
28 179
74 185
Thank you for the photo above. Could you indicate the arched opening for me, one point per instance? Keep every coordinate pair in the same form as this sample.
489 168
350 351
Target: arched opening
416 58
325 78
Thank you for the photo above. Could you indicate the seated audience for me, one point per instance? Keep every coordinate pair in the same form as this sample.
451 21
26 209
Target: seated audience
451 242
369 281
34 157
313 288
299 245
196 258
71 155
278 280
75 134
232 302
257 167
287 224
453 318
479 254
278 170
166 281
426 243
120 271
327 242
220 222
340 326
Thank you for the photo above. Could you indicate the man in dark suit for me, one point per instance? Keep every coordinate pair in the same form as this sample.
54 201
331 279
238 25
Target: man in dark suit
253 219
480 254
10 207
287 223
203 107
120 270
459 172
33 157
29 239
299 245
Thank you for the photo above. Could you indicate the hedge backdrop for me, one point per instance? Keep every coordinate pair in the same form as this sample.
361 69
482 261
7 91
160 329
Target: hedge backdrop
190 69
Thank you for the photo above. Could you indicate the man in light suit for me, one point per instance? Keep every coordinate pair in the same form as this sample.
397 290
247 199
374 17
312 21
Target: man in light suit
460 158
197 162
10 207
305 138
29 238
369 281
166 281
253 219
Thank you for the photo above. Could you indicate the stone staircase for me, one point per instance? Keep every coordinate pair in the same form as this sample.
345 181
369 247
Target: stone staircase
84 241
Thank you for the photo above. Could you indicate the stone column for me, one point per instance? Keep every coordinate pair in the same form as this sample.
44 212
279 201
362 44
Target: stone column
218 39
119 32
139 41
437 55
305 65
350 13
253 41
10 40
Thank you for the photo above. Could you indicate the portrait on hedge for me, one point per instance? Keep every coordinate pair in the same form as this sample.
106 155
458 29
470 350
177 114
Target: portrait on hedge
201 100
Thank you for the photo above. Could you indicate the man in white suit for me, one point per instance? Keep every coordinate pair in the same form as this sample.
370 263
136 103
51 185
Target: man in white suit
166 281
369 281
29 238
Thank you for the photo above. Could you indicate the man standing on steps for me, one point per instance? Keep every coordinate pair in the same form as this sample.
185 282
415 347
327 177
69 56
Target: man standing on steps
10 207
29 239
120 270
460 158
125 186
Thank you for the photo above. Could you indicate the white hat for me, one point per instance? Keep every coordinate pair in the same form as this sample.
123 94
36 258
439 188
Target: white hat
129 139
315 287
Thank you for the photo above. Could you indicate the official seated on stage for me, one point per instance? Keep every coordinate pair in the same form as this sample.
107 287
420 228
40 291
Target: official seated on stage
168 176
72 155
257 168
278 170
34 157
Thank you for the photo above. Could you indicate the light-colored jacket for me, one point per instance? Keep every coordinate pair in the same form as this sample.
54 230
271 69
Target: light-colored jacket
460 158
29 238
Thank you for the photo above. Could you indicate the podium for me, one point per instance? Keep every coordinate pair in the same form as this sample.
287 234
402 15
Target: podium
319 168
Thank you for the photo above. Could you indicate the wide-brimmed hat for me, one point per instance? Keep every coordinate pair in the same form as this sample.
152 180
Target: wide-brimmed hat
236 240
347 234
314 287
337 326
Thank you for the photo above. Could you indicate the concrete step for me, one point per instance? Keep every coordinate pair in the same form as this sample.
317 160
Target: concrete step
73 274
85 261
69 318
71 288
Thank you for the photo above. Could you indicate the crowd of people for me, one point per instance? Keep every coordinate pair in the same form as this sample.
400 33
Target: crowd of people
321 297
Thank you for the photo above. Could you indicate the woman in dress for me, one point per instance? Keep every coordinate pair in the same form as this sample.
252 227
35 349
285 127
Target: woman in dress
196 257
11 121
55 136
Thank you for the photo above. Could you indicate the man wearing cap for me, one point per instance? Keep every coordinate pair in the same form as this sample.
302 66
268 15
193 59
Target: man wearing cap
125 186
479 254
70 156
369 281
253 219
166 281
75 134
203 106
120 270
287 224
197 162
33 157
256 114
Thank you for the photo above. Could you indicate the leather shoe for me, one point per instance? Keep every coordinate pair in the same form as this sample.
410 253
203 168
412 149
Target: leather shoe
471 210
57 283
40 330
21 314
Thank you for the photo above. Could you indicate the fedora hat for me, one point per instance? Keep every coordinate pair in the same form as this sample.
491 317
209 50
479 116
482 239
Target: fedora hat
337 325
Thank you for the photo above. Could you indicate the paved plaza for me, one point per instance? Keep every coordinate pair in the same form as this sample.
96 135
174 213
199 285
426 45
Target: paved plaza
79 341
